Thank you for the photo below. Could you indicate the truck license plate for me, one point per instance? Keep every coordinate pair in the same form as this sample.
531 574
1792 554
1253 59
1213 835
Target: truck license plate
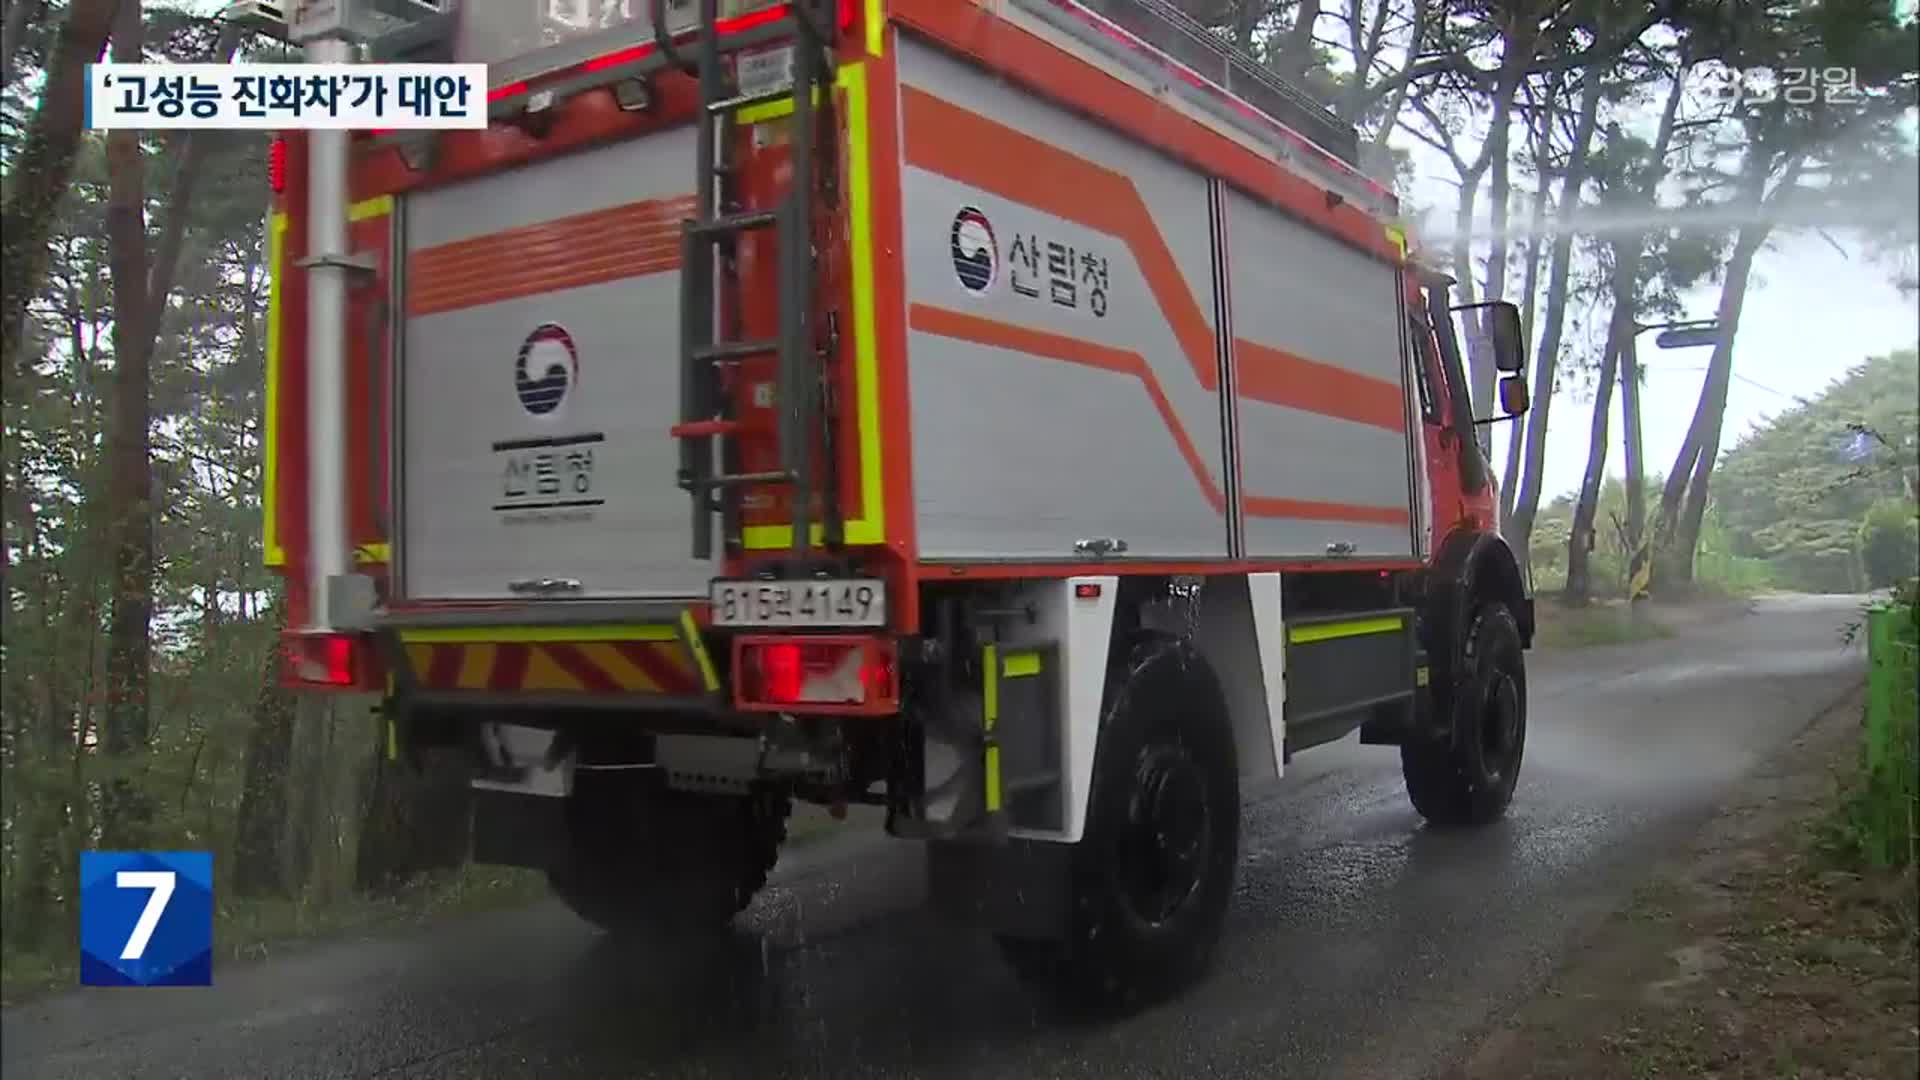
799 603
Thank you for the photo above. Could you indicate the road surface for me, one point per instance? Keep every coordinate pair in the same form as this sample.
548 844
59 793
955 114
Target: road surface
1360 944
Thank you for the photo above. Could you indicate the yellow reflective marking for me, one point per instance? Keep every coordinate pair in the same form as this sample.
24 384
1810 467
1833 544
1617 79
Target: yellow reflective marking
1420 677
1306 635
274 554
419 658
372 553
1020 664
393 741
625 673
871 527
1398 238
367 209
690 634
543 673
990 707
769 110
876 29
460 635
476 666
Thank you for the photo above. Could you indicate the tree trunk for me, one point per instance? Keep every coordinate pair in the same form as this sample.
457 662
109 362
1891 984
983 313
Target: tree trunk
19 14
1677 529
257 867
129 469
414 822
1733 296
37 178
1536 226
1506 86
1636 480
1546 362
1580 539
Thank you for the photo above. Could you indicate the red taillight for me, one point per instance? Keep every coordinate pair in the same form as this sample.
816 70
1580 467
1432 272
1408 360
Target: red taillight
331 661
839 674
1086 590
277 164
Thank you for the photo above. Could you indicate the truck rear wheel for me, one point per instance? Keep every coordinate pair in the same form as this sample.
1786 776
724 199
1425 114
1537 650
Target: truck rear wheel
1153 873
643 858
1469 778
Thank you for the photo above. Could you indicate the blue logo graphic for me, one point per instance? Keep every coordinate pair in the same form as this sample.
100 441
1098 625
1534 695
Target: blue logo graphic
146 918
547 369
976 255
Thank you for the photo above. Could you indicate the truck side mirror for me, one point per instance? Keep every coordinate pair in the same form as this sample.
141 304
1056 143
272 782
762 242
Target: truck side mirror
1513 395
1509 341
1497 322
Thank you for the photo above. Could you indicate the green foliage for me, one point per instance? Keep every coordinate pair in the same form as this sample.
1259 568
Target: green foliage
1795 491
1878 823
1889 543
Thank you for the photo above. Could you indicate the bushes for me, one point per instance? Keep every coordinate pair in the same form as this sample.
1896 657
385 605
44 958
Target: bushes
1889 543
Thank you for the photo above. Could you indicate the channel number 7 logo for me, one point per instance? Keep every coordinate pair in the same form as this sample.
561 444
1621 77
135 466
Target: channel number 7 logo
146 918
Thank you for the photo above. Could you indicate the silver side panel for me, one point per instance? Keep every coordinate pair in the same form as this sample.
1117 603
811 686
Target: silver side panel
1036 424
1017 455
1304 293
494 491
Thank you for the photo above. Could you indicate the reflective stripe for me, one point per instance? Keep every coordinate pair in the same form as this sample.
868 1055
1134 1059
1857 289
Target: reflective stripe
876 29
769 110
492 634
1306 635
273 553
690 633
368 209
1020 664
990 695
871 526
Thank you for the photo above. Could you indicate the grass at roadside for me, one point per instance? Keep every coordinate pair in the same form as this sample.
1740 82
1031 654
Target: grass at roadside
1601 623
1766 950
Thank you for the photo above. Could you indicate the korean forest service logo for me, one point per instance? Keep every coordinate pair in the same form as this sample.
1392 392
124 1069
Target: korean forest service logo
546 370
976 255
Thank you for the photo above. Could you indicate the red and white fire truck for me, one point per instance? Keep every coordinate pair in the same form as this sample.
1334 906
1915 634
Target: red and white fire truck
1021 415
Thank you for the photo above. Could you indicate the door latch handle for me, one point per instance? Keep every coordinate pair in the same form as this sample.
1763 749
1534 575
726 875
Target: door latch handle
545 585
1104 545
1340 548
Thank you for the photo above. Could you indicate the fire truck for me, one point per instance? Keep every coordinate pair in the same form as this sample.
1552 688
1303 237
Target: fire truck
1024 416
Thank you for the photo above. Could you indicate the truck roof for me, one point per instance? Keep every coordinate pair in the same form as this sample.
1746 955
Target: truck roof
1171 31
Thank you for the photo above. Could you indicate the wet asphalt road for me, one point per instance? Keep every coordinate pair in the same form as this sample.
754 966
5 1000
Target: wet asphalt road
1360 943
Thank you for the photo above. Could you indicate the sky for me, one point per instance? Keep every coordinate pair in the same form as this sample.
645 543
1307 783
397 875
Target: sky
1810 315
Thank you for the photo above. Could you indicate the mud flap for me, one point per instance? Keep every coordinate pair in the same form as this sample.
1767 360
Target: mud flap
521 780
1019 888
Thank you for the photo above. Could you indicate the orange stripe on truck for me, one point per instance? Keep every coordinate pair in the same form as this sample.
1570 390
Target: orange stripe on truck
634 667
965 146
566 253
964 327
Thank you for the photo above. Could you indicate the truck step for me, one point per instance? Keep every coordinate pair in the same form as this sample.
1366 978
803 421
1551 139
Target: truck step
696 429
742 101
728 224
735 350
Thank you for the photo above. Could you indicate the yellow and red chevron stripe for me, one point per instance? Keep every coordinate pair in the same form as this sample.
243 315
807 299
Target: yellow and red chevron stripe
658 663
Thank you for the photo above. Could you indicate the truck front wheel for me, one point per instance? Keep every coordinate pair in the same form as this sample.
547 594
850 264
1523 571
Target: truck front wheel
642 858
1469 778
1153 873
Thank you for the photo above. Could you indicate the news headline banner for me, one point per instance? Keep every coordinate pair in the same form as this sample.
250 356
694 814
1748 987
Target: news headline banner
268 97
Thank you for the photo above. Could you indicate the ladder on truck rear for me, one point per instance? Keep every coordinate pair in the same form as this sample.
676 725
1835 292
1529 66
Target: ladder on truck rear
709 283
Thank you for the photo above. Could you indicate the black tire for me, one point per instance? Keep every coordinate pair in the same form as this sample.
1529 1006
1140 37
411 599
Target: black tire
1153 873
644 859
1469 778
